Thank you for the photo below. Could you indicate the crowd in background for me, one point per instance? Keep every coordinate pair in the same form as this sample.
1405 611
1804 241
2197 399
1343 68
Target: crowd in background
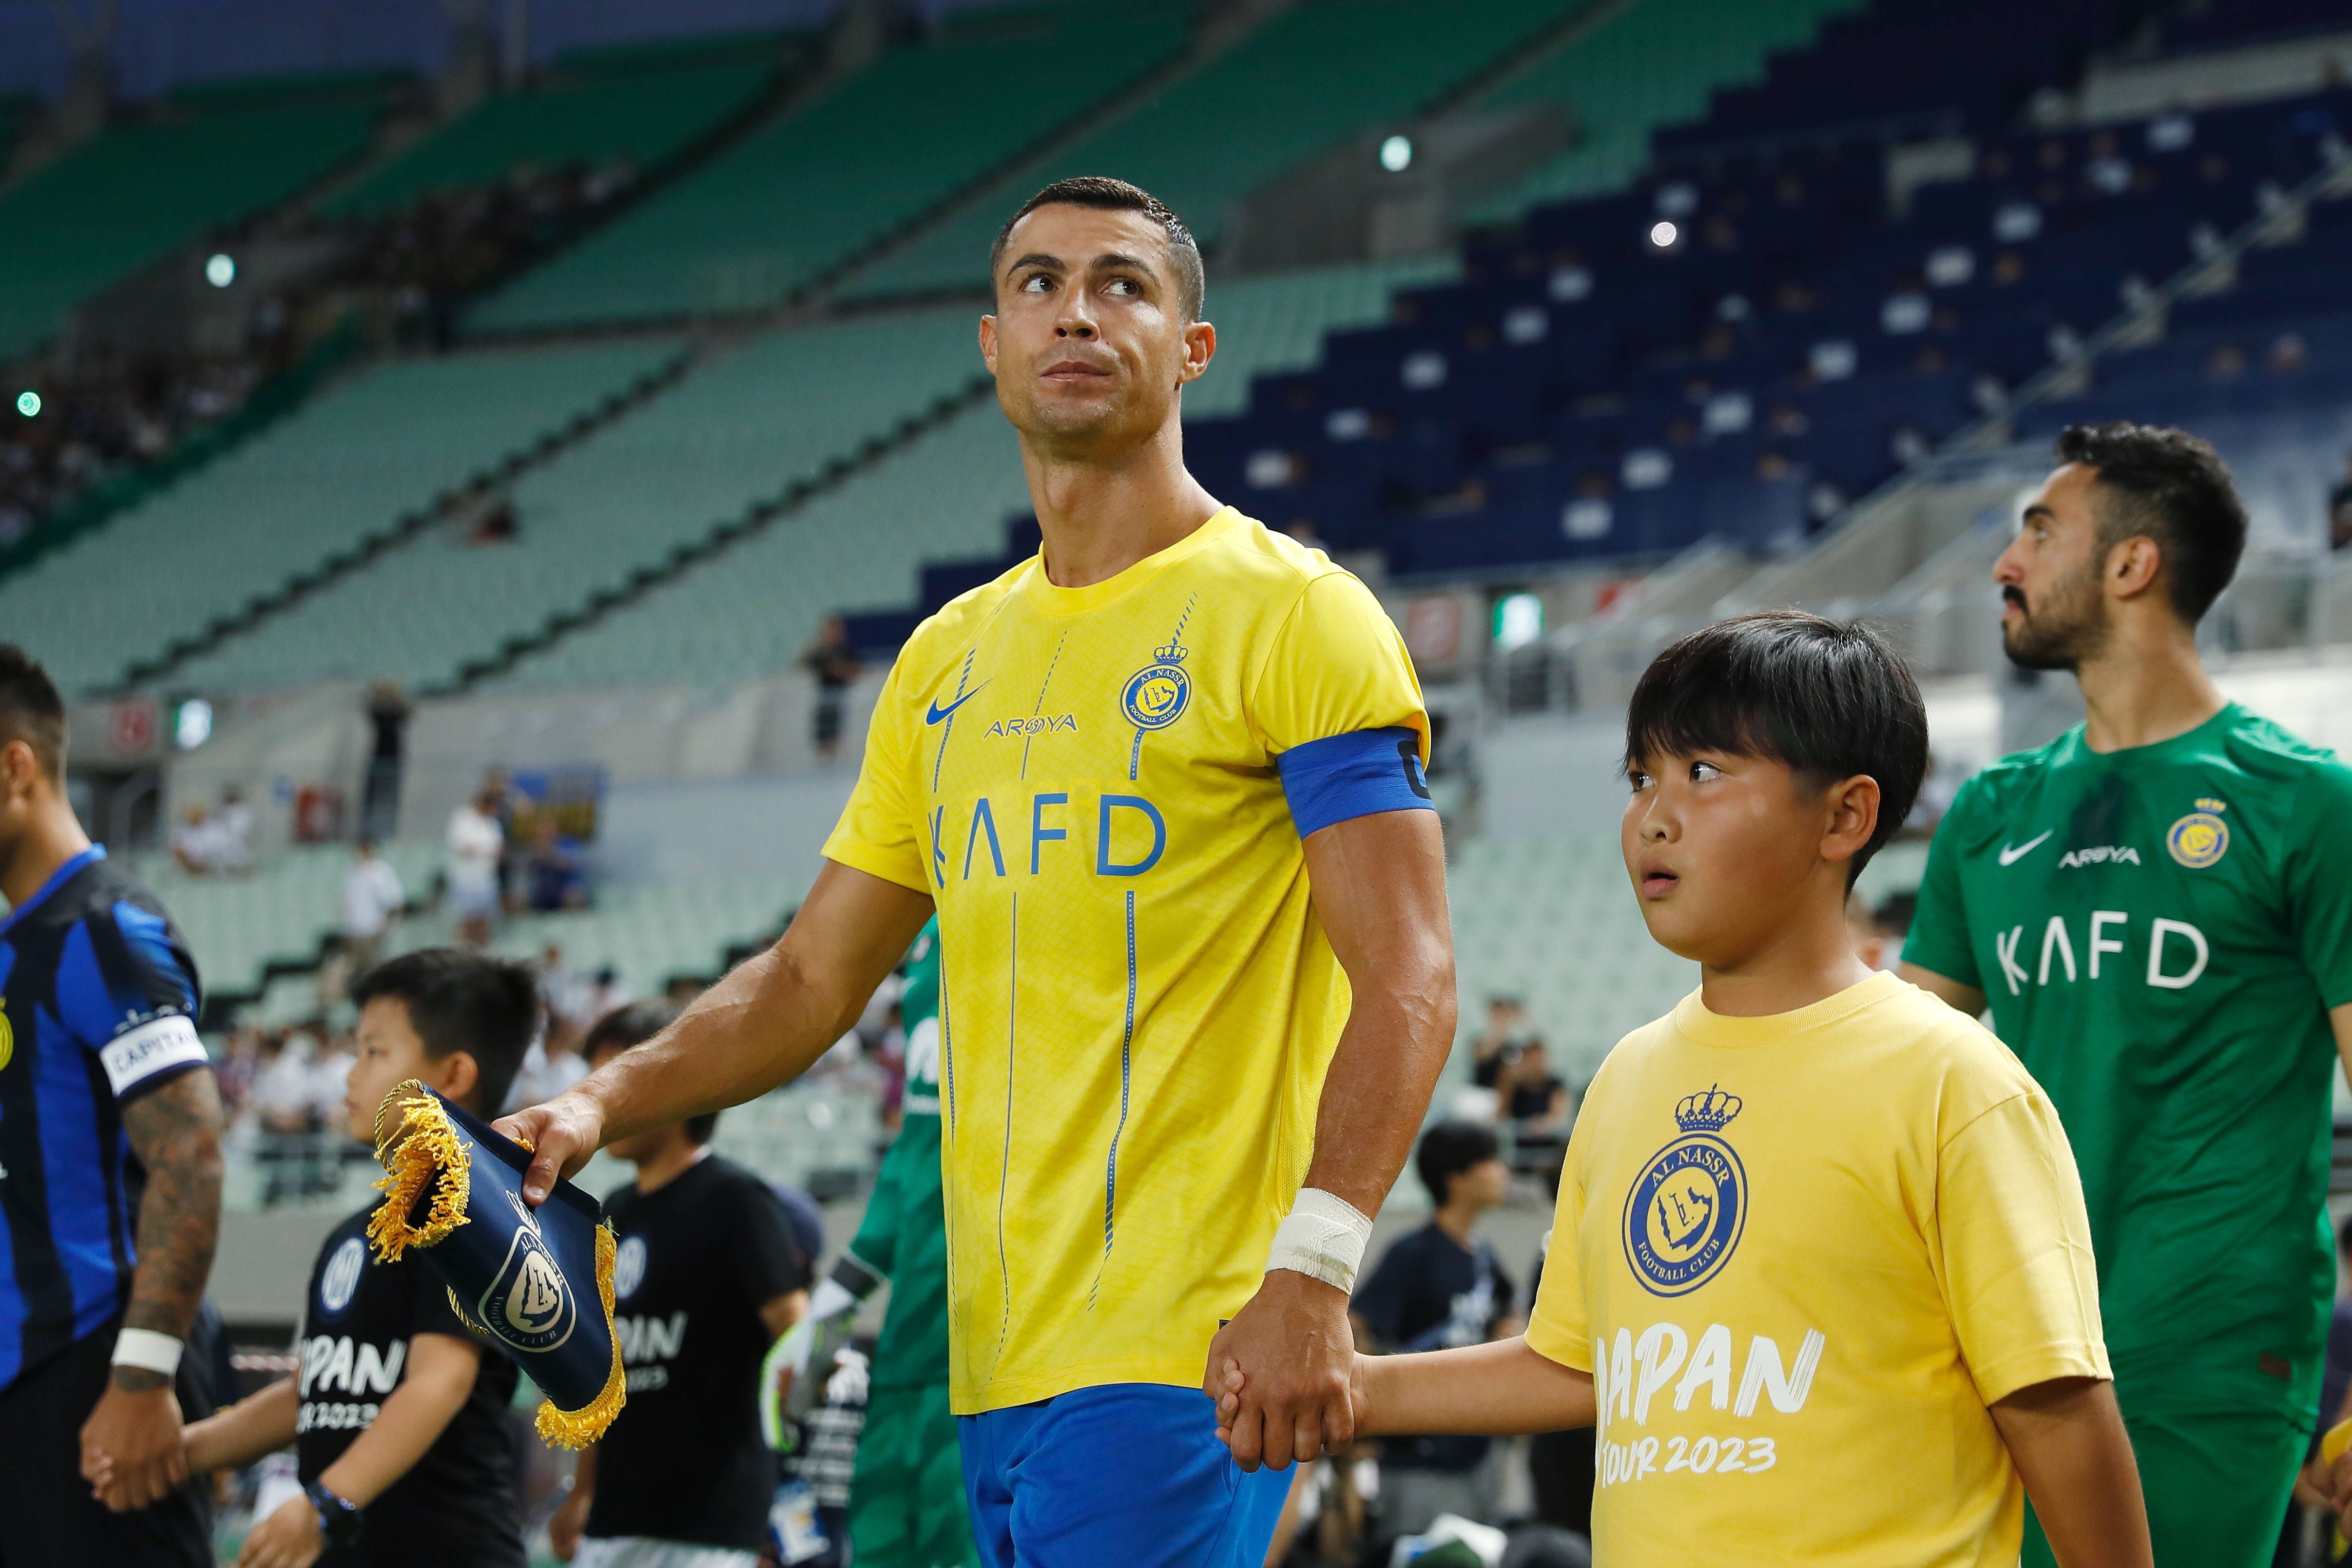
103 409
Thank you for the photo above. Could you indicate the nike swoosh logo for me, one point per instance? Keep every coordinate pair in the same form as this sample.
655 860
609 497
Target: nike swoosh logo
2011 855
938 715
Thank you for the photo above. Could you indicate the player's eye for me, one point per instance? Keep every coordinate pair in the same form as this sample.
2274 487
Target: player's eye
1127 287
1036 283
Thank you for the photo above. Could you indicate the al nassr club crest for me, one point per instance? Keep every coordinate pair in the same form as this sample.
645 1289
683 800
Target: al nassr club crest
1687 1208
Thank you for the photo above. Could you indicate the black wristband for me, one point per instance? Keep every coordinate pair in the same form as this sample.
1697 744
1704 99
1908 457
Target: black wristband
340 1524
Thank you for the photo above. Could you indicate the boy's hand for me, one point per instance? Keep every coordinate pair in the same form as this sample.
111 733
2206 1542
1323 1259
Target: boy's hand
2326 1486
560 1134
289 1538
564 1529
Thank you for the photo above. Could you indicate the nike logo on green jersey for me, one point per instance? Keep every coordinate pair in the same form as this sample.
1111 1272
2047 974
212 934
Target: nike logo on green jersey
2011 855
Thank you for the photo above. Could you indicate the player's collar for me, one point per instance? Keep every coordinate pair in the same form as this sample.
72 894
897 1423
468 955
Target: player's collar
1041 592
58 878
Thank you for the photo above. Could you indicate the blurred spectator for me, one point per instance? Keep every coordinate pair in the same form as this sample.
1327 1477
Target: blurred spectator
2339 510
233 822
239 1067
387 713
331 1073
561 989
550 1066
834 663
1560 1465
282 1099
1541 1109
476 844
1506 1029
373 900
553 871
196 843
604 993
1439 1288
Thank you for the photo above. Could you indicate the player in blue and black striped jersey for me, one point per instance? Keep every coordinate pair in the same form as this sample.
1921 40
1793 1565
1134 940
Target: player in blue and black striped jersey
109 1179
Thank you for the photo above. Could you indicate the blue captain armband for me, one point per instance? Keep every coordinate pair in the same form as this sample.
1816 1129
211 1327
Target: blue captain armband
1345 776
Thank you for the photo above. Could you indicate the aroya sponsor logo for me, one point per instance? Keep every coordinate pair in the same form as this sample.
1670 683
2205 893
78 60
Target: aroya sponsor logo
1022 726
2097 855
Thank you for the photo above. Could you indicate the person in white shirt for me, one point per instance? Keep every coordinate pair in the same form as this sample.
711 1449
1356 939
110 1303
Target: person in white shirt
475 842
234 822
196 842
373 900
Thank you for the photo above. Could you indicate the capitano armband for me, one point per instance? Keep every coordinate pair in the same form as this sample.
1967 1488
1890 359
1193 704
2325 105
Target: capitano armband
1323 1237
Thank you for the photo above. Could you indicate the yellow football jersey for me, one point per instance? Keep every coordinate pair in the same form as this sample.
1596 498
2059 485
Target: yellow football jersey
1138 1005
1801 1255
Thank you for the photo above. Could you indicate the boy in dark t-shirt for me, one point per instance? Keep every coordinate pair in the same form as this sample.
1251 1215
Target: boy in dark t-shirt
1435 1288
396 1412
706 1276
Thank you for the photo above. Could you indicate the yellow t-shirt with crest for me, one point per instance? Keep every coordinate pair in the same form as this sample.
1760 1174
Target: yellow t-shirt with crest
1801 1255
1138 1003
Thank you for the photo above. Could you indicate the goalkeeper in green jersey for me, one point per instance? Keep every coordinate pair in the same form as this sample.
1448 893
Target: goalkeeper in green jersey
906 1497
2157 908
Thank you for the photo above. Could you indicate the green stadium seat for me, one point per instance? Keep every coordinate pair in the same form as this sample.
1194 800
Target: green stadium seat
344 465
820 184
128 198
1308 79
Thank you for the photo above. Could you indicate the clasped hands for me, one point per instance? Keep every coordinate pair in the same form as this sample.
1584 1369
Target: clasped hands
1283 1372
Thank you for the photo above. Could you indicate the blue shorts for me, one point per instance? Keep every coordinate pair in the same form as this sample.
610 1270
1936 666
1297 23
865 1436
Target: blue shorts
1130 1475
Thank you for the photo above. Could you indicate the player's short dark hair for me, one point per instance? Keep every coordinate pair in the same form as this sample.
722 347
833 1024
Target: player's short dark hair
1106 194
1447 1149
2173 488
461 1000
1829 699
633 1025
31 711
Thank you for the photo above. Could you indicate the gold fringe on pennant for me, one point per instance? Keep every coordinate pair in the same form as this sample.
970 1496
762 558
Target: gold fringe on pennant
423 1148
578 1428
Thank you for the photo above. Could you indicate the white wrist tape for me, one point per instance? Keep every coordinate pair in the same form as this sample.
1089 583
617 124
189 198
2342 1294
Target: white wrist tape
1323 1239
146 1348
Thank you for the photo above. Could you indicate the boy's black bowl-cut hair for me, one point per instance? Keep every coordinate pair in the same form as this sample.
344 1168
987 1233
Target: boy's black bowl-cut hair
1829 699
461 1000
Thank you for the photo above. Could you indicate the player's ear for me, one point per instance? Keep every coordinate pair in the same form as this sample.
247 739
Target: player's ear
2133 566
1200 348
988 342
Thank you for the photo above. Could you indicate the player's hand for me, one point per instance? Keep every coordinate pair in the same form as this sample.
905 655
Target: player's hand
289 1538
564 1529
1294 1356
130 1450
561 1135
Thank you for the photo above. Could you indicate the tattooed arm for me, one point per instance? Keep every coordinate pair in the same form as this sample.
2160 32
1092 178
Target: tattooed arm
130 1450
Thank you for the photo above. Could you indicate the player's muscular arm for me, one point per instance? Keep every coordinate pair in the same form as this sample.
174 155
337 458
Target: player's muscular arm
2068 1441
130 1444
761 1026
1969 999
1379 886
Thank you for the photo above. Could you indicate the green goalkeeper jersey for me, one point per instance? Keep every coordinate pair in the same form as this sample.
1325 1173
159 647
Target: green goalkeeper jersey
2160 932
904 1234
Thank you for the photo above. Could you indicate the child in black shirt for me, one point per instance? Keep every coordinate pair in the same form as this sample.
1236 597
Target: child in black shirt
396 1412
706 1277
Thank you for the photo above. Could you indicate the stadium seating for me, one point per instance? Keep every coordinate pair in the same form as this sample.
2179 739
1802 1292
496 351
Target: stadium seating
1646 67
739 431
632 108
237 926
755 606
130 195
1307 78
816 186
343 467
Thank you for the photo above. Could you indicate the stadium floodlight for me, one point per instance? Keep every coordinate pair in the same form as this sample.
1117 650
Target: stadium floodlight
1518 621
221 270
192 723
1662 233
1396 155
28 402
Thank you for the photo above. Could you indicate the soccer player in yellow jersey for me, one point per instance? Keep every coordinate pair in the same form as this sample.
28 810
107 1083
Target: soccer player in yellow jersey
1163 786
1820 1270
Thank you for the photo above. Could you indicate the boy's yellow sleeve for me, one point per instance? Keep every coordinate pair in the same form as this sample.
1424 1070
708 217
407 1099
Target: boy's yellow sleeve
1559 1326
880 832
2019 1277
